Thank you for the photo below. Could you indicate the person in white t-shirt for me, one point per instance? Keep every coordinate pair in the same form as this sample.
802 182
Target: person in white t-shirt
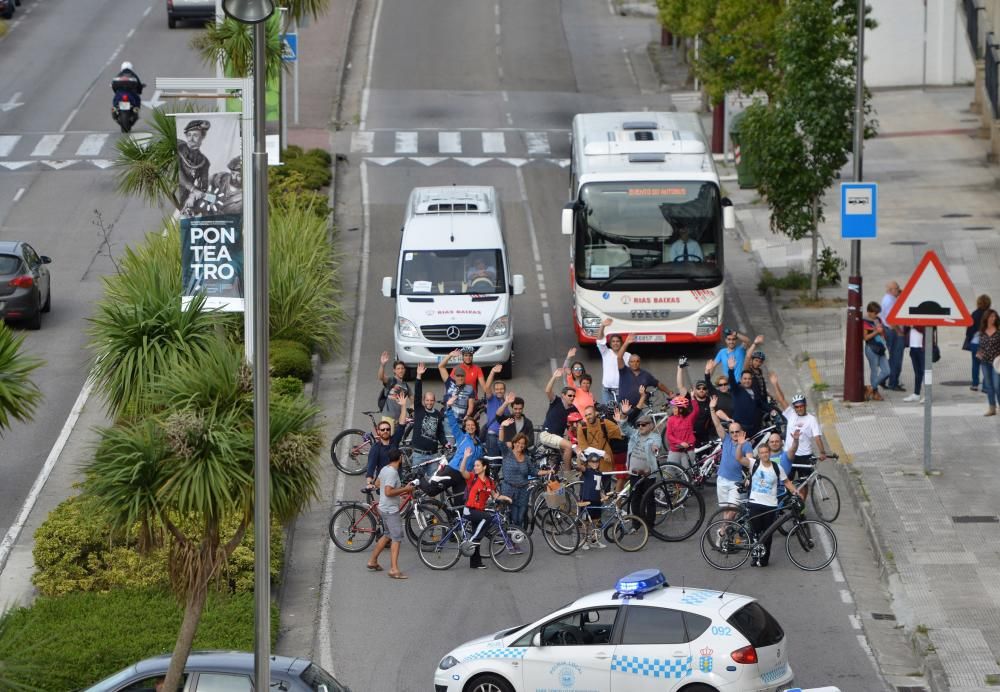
609 362
810 441
763 501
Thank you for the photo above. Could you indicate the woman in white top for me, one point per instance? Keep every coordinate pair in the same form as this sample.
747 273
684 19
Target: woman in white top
916 344
764 479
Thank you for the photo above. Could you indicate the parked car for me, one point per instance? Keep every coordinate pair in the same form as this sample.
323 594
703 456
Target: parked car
7 8
194 10
231 671
25 287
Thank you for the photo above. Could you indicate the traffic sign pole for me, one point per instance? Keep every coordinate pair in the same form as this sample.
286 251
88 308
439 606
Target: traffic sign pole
931 334
854 368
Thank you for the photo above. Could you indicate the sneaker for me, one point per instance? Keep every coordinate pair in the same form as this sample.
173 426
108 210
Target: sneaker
479 567
921 400
585 546
598 543
911 398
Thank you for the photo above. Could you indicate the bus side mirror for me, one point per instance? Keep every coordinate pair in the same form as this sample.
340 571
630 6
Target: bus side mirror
567 219
518 285
387 287
728 214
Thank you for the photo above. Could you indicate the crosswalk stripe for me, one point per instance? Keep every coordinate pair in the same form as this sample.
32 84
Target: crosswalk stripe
47 145
450 142
493 143
363 142
406 142
92 144
538 143
7 144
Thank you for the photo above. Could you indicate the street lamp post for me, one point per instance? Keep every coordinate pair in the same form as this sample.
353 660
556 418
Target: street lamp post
256 12
854 369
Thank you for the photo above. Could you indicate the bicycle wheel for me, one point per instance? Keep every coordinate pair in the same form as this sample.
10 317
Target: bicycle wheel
675 472
438 546
511 549
349 452
629 533
420 515
811 545
562 532
678 511
725 545
825 498
353 527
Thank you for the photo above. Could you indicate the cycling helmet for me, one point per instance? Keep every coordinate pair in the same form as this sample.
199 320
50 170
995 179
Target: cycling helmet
799 398
679 401
574 418
126 65
468 349
758 354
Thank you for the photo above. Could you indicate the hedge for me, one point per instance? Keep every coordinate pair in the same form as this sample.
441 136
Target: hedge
72 641
290 359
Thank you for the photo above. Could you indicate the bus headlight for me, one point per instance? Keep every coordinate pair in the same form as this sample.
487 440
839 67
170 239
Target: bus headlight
708 322
407 330
589 321
499 327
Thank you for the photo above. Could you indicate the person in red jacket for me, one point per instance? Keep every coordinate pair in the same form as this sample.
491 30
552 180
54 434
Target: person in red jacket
680 432
479 489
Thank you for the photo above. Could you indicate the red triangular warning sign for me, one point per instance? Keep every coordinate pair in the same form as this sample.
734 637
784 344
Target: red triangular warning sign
929 299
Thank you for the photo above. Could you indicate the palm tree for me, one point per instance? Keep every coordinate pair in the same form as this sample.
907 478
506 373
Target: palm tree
194 459
19 396
148 168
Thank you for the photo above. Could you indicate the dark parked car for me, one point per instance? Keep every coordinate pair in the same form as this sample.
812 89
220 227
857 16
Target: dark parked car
222 671
194 10
7 8
25 288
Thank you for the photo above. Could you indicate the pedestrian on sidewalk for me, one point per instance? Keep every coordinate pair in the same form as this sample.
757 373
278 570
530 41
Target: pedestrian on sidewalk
915 340
895 339
876 349
988 353
971 343
390 491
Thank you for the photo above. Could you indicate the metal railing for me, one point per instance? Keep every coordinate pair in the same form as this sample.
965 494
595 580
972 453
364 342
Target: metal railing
992 63
972 11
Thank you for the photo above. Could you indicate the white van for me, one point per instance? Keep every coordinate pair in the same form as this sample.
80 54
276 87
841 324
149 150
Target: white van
453 283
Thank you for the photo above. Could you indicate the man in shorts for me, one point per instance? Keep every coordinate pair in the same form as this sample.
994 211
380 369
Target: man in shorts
735 449
810 435
388 506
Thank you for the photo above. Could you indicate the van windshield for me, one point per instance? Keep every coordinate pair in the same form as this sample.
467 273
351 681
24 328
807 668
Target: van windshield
452 272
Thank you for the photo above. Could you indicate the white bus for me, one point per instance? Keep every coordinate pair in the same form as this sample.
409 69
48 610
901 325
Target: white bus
646 216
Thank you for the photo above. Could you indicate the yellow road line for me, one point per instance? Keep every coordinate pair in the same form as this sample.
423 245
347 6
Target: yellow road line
827 415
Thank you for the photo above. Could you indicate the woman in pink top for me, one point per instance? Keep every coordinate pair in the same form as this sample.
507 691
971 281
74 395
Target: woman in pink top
680 432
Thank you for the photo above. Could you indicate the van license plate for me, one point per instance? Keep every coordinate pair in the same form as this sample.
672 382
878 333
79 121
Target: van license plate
650 338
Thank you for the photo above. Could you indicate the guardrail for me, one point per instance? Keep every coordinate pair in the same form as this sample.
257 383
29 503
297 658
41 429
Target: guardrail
992 60
972 11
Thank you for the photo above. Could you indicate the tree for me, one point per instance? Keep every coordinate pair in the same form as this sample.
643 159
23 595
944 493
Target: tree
148 168
19 396
802 137
194 459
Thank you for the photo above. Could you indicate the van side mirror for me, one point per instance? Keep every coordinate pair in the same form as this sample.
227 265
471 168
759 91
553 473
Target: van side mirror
518 285
567 218
387 289
728 214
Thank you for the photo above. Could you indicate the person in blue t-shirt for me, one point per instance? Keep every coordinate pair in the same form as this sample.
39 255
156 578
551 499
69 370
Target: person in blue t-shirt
736 347
592 497
735 451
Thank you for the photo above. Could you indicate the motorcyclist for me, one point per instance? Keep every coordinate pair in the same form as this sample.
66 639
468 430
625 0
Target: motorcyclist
127 82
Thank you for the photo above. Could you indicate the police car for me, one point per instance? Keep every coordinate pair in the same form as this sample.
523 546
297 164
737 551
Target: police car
643 635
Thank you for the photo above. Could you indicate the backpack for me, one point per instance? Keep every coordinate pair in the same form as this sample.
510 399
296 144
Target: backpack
383 398
619 447
748 479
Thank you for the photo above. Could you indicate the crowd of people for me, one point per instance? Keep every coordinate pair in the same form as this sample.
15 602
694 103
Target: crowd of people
603 436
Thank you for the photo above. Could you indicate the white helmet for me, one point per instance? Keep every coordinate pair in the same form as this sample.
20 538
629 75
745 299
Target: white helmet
126 65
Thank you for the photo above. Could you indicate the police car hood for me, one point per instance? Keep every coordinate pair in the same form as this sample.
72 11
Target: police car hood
490 641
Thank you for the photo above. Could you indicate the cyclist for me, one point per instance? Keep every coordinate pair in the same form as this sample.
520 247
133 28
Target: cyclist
428 424
643 448
799 419
517 468
591 497
765 477
466 435
754 364
387 440
680 432
480 489
734 450
390 491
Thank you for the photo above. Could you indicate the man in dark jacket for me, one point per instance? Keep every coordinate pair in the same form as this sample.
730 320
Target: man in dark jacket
428 425
722 389
387 440
748 407
513 408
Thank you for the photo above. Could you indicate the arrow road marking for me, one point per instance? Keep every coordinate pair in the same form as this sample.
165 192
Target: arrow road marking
156 101
59 164
7 144
46 145
12 103
102 163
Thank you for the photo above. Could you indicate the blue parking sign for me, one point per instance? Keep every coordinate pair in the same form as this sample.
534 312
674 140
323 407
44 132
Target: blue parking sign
858 210
290 48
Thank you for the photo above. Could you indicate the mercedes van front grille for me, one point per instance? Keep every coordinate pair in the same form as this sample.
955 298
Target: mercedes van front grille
453 332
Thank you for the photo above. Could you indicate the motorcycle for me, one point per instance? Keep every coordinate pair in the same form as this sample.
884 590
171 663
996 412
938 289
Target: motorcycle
125 113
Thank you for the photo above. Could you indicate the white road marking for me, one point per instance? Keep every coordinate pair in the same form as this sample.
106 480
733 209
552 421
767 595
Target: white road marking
493 143
552 364
845 596
545 305
548 321
428 160
517 163
855 621
69 118
92 144
46 145
363 142
50 462
538 143
366 92
14 165
631 69
473 161
7 144
60 164
838 574
383 160
406 142
19 194
450 142
523 189
148 10
496 28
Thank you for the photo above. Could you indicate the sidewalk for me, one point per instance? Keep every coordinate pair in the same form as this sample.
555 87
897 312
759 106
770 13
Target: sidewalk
937 535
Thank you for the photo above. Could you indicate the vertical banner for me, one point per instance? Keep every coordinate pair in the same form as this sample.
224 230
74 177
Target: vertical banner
210 190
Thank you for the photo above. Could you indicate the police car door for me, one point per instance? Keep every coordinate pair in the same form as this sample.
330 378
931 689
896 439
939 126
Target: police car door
572 652
653 652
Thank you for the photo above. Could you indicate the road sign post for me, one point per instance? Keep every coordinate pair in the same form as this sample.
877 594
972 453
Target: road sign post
858 219
929 300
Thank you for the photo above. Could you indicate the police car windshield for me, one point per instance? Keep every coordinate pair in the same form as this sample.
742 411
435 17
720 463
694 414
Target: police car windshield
452 272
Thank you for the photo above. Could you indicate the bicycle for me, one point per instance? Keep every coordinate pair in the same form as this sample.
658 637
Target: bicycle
441 545
564 533
823 494
349 449
810 545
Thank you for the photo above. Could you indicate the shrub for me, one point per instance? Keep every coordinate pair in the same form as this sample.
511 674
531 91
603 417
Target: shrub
290 359
75 550
72 641
287 188
313 165
286 386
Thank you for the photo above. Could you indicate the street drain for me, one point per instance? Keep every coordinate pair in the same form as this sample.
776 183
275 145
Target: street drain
976 519
955 215
883 616
977 228
907 242
910 688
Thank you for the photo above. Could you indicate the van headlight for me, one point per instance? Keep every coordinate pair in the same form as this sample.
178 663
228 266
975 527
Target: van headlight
448 662
590 322
708 322
407 330
499 327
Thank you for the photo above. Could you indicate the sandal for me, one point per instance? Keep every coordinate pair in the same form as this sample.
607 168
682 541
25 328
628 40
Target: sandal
397 575
374 568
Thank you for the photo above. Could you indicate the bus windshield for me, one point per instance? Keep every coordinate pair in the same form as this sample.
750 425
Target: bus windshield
638 235
450 272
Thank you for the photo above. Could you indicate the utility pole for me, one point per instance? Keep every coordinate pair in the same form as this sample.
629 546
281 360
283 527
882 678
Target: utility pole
854 368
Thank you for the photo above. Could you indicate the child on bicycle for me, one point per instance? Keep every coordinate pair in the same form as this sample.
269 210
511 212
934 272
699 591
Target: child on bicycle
592 498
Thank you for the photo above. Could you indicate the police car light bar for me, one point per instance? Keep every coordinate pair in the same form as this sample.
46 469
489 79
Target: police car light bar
641 582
